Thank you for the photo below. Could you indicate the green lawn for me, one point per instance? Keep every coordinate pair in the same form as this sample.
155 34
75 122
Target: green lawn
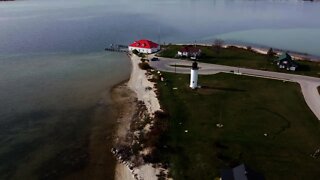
233 56
248 108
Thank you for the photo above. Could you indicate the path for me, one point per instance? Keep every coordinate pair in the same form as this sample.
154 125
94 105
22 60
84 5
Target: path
308 84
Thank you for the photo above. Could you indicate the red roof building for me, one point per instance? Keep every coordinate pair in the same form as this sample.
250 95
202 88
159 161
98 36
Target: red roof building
144 46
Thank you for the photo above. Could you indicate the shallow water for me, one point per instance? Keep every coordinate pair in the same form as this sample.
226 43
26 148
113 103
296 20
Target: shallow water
55 114
52 108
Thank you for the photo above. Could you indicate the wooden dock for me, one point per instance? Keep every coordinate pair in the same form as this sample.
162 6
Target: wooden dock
117 48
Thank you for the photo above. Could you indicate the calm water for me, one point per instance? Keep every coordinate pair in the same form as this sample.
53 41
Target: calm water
55 114
85 26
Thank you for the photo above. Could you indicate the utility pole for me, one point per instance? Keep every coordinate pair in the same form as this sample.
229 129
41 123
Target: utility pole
159 40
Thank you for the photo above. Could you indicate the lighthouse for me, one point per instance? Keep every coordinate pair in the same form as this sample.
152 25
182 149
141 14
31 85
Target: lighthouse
194 75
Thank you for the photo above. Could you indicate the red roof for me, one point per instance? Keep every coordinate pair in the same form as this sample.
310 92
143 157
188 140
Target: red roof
190 49
144 44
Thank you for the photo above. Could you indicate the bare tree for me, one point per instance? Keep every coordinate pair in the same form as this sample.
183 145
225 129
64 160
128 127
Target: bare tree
217 45
270 53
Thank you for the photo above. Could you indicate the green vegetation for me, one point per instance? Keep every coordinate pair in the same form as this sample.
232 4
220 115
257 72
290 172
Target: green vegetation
266 124
136 52
144 66
233 56
169 51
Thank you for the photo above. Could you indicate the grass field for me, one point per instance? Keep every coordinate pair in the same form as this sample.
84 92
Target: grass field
233 56
248 108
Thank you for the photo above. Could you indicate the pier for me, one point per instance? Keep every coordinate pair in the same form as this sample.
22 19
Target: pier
117 48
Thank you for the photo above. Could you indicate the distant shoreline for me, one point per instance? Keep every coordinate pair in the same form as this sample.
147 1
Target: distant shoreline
263 50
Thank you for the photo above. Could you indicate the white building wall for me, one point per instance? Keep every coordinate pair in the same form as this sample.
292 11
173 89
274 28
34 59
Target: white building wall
144 50
155 49
183 53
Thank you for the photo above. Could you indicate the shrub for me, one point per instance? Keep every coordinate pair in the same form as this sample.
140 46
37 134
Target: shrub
270 54
141 55
136 52
144 66
217 45
161 114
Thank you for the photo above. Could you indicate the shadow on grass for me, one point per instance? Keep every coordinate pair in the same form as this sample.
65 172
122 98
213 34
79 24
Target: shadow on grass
222 88
284 127
304 68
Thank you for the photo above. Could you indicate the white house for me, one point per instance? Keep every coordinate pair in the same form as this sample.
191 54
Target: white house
144 46
189 51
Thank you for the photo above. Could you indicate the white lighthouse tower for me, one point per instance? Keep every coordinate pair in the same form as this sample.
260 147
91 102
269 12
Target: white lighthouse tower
194 75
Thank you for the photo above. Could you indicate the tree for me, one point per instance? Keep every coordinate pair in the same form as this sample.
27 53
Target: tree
136 52
217 45
270 53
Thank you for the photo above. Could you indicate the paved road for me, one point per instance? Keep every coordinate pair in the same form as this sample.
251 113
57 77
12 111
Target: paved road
308 84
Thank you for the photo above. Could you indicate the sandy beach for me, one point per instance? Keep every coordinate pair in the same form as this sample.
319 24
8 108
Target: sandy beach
139 83
126 98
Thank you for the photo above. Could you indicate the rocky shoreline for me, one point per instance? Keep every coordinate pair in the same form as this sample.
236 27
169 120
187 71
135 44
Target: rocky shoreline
139 127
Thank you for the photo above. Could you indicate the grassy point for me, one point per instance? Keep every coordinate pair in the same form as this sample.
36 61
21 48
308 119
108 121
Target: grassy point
266 124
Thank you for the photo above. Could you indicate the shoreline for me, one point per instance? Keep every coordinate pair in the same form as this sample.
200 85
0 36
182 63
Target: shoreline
264 50
295 54
123 99
136 100
136 103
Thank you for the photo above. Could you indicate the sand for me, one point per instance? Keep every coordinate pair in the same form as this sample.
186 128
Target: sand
125 97
123 172
139 83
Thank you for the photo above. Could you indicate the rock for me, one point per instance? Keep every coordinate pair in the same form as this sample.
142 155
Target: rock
219 125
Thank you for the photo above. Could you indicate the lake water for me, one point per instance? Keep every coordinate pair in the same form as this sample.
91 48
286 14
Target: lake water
55 114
